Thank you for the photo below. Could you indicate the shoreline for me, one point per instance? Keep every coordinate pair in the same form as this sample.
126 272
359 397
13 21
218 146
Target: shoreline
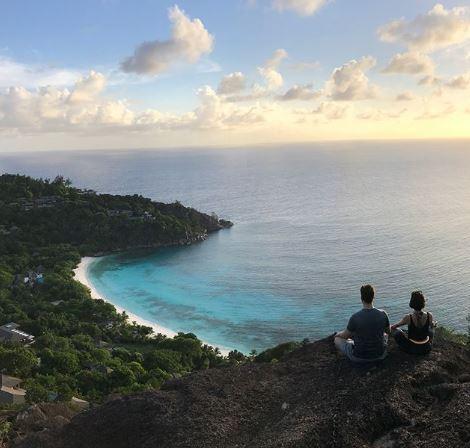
81 275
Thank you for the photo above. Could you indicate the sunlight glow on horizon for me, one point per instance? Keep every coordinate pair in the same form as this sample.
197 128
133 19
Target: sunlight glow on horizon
407 77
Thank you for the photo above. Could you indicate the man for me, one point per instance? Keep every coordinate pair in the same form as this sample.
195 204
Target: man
365 338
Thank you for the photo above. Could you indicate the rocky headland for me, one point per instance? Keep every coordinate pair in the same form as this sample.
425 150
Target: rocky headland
312 397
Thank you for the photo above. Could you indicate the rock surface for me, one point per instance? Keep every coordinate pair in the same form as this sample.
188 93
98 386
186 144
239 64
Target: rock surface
311 398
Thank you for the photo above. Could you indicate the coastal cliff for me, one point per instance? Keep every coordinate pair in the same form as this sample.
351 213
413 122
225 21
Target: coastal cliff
310 398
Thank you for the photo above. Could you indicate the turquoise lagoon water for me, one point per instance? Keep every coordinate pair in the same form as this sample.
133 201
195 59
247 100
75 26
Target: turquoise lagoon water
312 223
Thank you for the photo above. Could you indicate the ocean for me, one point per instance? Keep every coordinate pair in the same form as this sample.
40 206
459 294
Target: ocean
312 223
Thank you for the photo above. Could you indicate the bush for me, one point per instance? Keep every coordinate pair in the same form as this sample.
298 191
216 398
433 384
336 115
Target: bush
276 353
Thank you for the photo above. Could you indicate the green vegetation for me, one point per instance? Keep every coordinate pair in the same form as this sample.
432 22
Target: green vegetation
276 353
83 347
451 335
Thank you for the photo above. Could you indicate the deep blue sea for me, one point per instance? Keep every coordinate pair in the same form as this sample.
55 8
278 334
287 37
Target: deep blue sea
312 223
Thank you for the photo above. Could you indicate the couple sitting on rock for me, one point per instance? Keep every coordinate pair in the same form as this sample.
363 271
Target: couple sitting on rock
366 336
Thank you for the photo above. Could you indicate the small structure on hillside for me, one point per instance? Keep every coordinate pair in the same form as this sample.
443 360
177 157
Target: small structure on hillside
10 392
30 278
79 403
10 333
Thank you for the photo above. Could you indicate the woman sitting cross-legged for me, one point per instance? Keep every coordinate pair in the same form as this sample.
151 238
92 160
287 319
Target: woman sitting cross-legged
418 339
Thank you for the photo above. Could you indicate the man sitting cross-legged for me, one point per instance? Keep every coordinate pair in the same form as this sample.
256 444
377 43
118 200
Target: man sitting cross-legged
365 338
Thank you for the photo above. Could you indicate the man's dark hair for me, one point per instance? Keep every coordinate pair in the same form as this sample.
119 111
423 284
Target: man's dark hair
417 300
367 293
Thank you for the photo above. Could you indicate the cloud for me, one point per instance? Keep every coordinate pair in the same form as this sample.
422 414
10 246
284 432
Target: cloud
461 82
272 79
32 76
52 109
437 29
410 63
188 42
232 83
432 113
300 93
405 96
349 82
301 7
84 110
214 113
430 81
88 87
331 110
269 71
378 114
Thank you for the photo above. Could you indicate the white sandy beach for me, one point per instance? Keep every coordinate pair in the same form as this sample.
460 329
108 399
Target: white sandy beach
81 275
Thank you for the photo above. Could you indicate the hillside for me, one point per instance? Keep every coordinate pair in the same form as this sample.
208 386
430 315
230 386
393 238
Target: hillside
311 398
55 341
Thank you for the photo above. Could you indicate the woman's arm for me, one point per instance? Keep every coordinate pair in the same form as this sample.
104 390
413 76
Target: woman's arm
433 322
404 321
345 334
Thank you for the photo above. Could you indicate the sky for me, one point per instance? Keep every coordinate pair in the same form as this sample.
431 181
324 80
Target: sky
94 74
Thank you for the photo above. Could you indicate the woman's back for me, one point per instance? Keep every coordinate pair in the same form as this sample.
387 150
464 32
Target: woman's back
418 327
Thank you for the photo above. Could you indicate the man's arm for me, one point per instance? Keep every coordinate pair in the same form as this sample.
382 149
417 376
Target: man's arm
387 329
347 333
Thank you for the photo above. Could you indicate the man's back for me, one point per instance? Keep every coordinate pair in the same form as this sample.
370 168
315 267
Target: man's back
368 327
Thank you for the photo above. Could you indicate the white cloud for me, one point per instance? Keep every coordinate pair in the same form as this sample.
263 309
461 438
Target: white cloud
31 76
188 42
83 109
349 82
269 71
88 87
439 28
52 109
378 114
411 63
430 81
214 113
232 83
302 7
300 93
405 96
272 79
331 110
461 82
431 113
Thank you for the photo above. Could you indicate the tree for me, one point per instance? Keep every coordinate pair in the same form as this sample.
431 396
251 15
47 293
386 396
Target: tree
18 360
6 278
121 377
35 392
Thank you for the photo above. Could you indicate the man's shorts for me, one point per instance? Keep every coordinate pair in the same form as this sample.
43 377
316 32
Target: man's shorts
346 347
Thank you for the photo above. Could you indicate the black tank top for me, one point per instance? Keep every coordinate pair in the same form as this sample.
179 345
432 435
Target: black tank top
418 333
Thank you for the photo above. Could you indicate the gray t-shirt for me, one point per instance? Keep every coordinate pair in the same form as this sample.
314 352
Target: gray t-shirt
368 327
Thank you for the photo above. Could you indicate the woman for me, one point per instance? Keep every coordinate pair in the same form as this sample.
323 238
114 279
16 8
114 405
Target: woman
421 326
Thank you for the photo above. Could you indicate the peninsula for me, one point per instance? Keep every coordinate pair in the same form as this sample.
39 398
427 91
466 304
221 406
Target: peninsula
56 343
